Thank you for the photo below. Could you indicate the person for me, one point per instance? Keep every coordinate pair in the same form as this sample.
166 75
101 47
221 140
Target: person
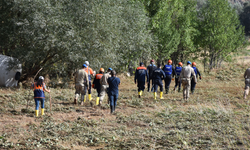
81 83
39 87
140 74
197 72
158 76
169 72
177 74
104 85
185 78
151 69
96 84
90 73
113 91
247 82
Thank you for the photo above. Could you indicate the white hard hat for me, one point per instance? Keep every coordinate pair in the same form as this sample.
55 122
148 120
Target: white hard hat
87 63
41 78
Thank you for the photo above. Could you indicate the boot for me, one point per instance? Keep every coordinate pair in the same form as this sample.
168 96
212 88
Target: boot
167 90
111 109
100 103
161 93
90 97
174 90
97 101
139 94
179 90
42 111
75 101
85 98
37 111
245 95
155 94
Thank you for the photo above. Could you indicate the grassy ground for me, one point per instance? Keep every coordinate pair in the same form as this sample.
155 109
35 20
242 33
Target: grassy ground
215 117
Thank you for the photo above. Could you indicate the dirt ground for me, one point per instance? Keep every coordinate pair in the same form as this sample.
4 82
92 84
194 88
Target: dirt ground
138 123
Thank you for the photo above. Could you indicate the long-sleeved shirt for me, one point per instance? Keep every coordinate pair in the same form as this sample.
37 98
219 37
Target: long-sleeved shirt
196 71
151 69
158 74
104 79
186 73
141 73
169 70
247 73
81 78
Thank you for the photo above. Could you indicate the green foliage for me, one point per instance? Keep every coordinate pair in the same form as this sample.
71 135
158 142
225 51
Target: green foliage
221 32
175 27
61 35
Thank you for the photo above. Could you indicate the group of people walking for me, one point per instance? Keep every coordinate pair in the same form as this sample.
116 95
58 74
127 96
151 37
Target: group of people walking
187 76
108 82
103 83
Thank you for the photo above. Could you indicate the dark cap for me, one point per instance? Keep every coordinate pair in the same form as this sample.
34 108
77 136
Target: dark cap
141 63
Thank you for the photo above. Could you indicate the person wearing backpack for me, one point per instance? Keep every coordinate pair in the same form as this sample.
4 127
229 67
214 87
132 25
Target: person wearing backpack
140 74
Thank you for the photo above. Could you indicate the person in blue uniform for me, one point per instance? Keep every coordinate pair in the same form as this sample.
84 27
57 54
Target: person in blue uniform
113 91
177 74
193 84
151 69
169 72
158 76
140 74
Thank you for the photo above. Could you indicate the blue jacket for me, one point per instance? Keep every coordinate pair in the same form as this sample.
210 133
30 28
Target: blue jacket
141 73
196 71
168 70
151 69
178 71
158 74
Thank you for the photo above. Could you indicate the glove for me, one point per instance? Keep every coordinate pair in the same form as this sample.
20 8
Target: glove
93 85
200 77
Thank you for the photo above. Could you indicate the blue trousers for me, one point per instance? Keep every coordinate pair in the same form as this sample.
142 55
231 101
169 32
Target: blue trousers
156 83
37 102
113 99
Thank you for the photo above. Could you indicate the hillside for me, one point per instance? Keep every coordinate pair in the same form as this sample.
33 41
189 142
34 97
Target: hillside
215 117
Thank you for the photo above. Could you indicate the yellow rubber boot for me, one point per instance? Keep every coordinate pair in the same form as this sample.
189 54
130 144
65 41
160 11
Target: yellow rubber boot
97 100
161 93
89 97
85 97
42 111
141 93
37 111
155 94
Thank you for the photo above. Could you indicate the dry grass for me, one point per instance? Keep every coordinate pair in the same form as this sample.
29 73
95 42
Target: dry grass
215 117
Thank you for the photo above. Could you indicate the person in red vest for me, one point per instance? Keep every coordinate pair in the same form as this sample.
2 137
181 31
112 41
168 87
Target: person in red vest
96 84
39 87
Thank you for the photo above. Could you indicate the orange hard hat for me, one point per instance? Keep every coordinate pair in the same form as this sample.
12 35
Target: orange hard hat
193 64
170 61
101 70
180 63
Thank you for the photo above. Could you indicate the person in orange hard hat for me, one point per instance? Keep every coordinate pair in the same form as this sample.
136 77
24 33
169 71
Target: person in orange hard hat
96 84
197 72
169 72
151 69
177 74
